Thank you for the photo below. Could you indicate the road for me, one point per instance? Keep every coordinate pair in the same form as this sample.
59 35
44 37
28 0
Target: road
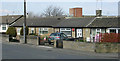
24 51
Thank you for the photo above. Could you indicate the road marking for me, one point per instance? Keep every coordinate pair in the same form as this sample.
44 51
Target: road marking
45 46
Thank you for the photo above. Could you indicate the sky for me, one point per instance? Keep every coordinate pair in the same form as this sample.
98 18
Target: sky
15 7
59 0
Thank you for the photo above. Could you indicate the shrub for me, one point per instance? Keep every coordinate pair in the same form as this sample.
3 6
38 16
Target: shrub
11 31
32 34
81 40
21 31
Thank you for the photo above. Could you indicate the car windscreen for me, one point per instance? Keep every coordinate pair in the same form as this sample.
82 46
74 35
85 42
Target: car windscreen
56 34
53 34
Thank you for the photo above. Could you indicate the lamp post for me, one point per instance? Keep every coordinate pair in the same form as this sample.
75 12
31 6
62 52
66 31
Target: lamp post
24 24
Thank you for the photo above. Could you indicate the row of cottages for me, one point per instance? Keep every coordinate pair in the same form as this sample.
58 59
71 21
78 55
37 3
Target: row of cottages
6 20
88 28
84 27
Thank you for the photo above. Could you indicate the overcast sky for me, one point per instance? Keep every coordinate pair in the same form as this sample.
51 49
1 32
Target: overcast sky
59 0
109 7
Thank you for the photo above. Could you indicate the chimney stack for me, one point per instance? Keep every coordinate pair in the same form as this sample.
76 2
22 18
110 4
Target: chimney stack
75 12
98 13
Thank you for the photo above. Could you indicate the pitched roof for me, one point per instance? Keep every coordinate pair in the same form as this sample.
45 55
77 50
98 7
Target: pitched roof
74 22
70 22
8 19
105 22
37 22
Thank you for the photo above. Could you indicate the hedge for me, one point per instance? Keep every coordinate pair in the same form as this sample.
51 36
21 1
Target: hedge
21 31
109 37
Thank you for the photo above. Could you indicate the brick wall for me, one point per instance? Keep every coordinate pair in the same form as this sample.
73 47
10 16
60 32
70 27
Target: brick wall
76 12
37 30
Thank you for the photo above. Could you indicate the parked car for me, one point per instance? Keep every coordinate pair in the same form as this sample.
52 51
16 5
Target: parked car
57 36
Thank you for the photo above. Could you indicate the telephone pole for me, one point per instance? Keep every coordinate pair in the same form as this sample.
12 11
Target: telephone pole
24 24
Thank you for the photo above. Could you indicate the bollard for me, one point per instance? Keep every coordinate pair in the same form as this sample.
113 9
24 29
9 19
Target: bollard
10 38
55 43
38 40
59 43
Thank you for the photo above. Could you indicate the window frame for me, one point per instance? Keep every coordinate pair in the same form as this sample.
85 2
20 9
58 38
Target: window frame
42 30
118 30
4 26
113 28
98 31
32 30
65 30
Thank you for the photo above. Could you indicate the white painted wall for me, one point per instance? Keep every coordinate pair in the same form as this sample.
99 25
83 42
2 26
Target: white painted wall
1 25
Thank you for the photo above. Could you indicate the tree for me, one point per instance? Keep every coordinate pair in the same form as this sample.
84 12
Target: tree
30 14
27 30
53 11
11 31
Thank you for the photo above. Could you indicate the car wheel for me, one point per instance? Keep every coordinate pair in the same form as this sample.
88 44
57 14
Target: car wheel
49 43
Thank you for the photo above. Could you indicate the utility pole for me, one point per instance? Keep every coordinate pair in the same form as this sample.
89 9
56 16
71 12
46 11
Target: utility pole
24 25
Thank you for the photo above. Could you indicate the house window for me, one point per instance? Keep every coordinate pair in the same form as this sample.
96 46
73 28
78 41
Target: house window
43 31
98 31
32 30
118 30
3 27
66 31
112 30
18 31
79 33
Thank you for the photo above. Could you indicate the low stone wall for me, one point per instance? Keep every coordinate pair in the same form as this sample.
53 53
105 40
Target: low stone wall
58 44
93 47
79 46
30 40
4 38
107 47
21 39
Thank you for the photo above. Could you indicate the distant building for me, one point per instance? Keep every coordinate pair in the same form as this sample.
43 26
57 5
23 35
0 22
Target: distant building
75 12
6 20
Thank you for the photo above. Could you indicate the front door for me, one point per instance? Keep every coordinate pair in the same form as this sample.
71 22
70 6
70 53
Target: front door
79 33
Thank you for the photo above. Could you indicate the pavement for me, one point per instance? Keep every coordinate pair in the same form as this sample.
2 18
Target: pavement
25 51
